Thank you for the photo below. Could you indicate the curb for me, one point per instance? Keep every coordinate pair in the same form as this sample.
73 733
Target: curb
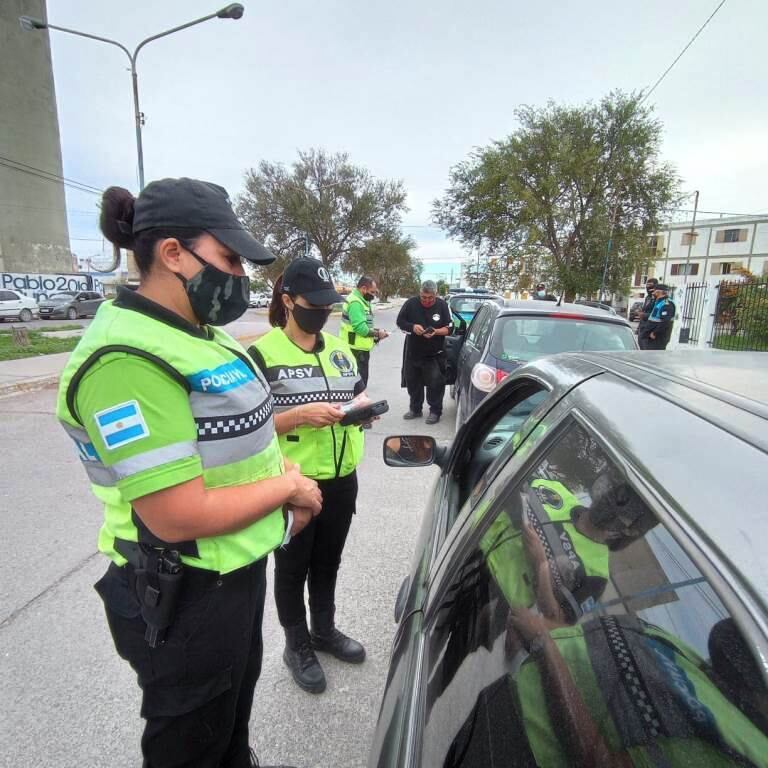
44 382
28 385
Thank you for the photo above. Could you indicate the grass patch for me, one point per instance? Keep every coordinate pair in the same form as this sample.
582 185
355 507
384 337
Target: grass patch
38 345
741 343
65 327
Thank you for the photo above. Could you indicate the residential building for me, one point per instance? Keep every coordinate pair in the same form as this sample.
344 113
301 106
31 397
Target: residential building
717 248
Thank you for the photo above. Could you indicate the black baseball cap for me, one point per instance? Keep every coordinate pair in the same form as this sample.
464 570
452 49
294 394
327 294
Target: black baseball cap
662 287
197 205
309 278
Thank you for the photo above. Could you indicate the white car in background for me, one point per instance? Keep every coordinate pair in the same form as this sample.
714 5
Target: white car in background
17 306
259 300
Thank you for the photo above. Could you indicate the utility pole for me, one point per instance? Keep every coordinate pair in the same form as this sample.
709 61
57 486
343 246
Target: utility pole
691 236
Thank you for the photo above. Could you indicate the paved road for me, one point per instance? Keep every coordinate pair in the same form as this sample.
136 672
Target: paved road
68 700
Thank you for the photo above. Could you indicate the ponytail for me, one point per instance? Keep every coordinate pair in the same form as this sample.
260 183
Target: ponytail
278 314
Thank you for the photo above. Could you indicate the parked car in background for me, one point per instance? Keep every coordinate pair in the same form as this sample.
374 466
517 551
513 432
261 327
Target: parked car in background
465 305
502 338
15 305
259 300
71 305
574 598
635 310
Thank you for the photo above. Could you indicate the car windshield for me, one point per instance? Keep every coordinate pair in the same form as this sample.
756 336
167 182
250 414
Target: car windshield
61 297
469 304
526 338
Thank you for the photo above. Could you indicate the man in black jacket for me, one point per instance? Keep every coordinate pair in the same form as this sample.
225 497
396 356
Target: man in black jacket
645 312
426 319
658 330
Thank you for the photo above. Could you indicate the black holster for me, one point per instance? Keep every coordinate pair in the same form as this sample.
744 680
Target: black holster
159 575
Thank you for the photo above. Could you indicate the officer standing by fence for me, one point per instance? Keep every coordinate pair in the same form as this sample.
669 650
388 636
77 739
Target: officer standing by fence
357 324
658 328
174 428
311 374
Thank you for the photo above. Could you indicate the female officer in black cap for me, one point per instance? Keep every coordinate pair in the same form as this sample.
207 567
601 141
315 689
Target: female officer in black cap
175 431
311 374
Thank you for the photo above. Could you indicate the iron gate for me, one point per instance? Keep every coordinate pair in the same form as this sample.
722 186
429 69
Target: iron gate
692 313
741 316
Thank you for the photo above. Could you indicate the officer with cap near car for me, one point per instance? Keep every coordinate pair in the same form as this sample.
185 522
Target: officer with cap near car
175 430
313 377
657 329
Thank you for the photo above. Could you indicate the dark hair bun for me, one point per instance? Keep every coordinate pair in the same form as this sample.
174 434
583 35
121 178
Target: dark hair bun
116 220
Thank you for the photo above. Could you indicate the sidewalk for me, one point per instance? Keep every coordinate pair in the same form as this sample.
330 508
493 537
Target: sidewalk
32 373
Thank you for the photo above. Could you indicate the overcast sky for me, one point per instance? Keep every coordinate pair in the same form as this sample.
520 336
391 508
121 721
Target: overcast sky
407 88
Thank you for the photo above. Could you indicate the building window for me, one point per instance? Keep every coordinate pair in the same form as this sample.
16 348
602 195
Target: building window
731 236
689 238
680 269
725 267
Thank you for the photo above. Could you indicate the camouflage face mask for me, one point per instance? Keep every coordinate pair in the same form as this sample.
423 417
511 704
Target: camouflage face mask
217 297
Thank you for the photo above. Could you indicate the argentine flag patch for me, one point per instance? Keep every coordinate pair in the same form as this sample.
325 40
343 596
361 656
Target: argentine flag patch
121 424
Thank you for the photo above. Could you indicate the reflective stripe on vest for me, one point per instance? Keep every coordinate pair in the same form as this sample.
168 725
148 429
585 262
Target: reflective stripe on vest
295 378
232 408
347 332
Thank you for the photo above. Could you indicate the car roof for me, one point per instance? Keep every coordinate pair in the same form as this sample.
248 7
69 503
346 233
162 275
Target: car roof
535 307
470 295
694 425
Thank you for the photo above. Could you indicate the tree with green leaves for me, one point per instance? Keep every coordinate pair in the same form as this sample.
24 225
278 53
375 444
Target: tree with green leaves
571 188
388 260
323 206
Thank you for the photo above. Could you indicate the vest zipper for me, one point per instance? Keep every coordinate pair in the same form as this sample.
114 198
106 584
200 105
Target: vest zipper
336 459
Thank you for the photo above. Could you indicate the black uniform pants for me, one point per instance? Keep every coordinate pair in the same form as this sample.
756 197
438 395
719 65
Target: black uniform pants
426 373
197 686
314 556
363 362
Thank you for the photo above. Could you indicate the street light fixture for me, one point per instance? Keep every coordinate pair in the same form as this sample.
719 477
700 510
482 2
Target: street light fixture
231 11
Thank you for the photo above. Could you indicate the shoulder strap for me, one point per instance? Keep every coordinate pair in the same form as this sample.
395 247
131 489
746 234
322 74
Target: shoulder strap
83 369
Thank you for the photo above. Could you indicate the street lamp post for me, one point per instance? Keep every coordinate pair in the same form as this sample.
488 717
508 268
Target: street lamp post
231 11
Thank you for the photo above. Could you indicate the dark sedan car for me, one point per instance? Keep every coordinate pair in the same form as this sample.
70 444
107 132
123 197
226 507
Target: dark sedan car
71 304
502 338
589 585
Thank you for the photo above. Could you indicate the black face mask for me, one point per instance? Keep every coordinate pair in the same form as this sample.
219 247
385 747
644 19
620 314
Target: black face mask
310 320
369 297
217 297
650 290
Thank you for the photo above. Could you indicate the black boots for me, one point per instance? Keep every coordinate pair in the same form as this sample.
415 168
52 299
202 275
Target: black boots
301 660
325 637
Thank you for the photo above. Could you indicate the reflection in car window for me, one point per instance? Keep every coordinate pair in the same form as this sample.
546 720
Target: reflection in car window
578 632
526 338
476 326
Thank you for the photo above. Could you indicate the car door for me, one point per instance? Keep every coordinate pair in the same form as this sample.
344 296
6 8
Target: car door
469 354
472 353
470 456
571 623
8 303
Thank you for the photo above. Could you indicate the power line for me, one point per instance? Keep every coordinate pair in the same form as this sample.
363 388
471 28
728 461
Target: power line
680 55
54 210
15 165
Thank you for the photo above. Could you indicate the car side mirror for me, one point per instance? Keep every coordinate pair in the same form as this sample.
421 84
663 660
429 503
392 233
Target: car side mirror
410 451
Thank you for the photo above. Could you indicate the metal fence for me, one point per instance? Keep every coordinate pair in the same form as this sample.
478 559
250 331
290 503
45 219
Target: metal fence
741 316
692 312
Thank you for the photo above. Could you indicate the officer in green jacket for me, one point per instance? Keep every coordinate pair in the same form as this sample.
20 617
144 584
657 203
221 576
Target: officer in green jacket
357 324
311 374
620 691
174 427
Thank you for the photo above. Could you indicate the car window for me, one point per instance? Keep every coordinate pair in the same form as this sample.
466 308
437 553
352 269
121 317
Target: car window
577 631
478 327
62 296
526 338
8 296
